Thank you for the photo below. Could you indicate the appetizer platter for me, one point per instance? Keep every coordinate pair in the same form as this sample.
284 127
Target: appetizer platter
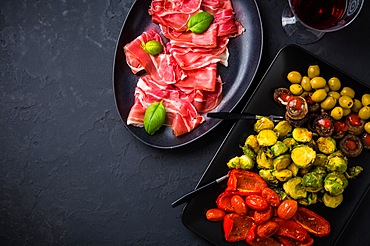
329 203
243 50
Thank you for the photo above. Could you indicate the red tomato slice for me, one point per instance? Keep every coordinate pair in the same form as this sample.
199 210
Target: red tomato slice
312 222
245 182
236 227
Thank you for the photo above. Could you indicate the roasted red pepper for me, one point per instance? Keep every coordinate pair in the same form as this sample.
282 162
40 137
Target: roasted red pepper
312 222
224 201
236 227
291 242
245 182
290 229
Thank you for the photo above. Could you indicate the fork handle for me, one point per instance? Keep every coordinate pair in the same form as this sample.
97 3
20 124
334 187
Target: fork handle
231 116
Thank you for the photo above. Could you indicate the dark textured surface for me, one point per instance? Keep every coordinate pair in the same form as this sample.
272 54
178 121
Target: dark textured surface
70 173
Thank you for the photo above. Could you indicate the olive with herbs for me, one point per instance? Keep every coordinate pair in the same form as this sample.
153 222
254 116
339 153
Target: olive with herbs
365 99
357 105
296 89
313 71
334 84
337 113
317 82
347 91
345 101
364 113
294 77
319 95
334 94
328 103
305 83
367 127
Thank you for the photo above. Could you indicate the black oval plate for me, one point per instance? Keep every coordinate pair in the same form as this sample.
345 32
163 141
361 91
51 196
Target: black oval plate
245 54
261 102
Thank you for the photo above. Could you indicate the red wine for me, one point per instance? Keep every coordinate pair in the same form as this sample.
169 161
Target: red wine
319 14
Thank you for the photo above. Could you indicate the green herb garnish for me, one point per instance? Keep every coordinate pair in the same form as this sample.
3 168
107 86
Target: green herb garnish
154 117
200 22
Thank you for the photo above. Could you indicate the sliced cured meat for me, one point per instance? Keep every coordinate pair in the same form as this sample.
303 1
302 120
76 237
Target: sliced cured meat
208 39
173 13
214 6
201 79
227 25
205 101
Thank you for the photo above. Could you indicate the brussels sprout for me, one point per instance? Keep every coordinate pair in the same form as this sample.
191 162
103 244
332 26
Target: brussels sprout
332 201
252 142
290 143
326 145
335 183
293 187
303 156
293 167
337 163
311 198
282 162
302 135
320 160
263 123
249 152
268 176
241 162
264 160
278 148
313 181
267 137
283 175
353 172
283 128
320 171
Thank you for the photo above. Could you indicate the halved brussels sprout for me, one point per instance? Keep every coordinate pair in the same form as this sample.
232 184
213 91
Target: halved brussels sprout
268 176
283 128
311 198
263 123
303 156
353 172
313 181
294 188
278 148
252 142
326 145
241 162
264 160
335 183
293 167
332 201
249 152
267 137
320 160
302 135
290 143
282 162
283 175
337 164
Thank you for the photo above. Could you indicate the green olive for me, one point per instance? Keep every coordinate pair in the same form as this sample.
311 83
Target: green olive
317 82
357 105
334 84
319 95
334 94
365 99
305 83
347 91
364 112
296 89
313 71
327 88
345 102
346 111
367 127
294 77
337 113
328 103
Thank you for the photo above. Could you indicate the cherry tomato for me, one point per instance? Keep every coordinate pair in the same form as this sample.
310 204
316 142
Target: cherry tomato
287 209
340 126
312 222
256 202
261 217
215 214
267 229
295 103
290 229
268 241
351 145
271 196
245 182
366 138
325 123
354 120
236 227
224 201
285 97
237 202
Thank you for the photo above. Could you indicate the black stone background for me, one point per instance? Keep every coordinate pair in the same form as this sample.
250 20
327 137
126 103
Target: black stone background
70 172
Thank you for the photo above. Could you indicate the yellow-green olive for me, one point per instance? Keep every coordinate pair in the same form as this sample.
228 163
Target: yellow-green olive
345 102
317 82
346 111
357 105
364 113
334 94
365 99
296 89
328 103
313 71
327 89
337 113
367 127
305 83
347 91
319 95
334 84
294 77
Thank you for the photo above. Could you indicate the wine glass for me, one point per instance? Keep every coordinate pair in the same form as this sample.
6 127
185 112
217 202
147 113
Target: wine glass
306 21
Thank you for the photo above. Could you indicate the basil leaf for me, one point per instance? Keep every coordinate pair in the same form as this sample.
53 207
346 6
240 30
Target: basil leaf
152 47
200 22
154 117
